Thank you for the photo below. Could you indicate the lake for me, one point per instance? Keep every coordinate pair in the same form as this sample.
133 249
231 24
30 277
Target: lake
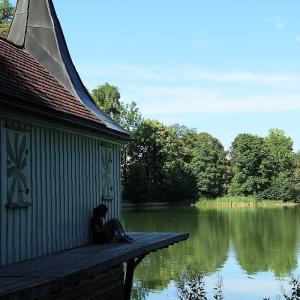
253 250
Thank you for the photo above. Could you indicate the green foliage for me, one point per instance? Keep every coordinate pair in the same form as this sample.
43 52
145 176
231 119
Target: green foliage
147 155
107 97
158 163
248 156
180 180
176 163
238 201
6 15
6 12
296 175
209 165
4 29
281 157
280 149
131 117
281 187
263 168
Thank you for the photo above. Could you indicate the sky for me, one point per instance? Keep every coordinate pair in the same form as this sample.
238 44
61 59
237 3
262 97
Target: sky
223 67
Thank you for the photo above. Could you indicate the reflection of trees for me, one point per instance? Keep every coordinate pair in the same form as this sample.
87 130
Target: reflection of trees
265 239
212 240
207 247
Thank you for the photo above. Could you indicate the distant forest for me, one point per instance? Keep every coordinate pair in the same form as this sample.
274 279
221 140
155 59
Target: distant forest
173 163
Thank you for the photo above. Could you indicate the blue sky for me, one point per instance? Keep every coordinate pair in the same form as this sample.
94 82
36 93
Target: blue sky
224 67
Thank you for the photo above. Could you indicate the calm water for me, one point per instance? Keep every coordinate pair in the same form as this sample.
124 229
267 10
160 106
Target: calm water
253 250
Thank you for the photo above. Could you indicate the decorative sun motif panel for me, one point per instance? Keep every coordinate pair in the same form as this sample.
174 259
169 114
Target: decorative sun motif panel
17 142
106 174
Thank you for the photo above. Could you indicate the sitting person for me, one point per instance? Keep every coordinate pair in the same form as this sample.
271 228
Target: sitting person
106 232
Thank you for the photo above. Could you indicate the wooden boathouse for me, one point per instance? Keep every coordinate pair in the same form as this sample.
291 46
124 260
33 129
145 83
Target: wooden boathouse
60 157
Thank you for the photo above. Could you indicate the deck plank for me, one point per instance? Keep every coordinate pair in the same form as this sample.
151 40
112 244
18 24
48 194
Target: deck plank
50 272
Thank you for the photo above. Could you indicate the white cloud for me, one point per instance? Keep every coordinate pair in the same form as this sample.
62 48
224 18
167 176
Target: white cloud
176 90
277 22
185 100
187 73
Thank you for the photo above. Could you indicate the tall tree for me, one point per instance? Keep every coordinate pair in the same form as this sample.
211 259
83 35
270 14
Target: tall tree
282 158
297 175
180 180
107 97
280 148
209 165
147 154
6 15
130 118
248 157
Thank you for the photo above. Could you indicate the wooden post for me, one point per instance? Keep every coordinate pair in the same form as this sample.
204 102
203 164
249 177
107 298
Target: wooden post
130 268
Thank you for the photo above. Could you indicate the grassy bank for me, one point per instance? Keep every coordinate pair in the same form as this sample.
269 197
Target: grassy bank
240 201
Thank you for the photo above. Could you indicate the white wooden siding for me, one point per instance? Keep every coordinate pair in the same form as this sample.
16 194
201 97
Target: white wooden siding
64 187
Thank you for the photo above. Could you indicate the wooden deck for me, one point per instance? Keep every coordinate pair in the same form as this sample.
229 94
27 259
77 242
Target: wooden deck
48 274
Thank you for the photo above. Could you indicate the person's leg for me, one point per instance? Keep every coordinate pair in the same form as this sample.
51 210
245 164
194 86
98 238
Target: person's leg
118 228
109 230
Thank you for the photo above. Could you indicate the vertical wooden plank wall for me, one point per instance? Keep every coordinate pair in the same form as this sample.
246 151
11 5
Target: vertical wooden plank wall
65 186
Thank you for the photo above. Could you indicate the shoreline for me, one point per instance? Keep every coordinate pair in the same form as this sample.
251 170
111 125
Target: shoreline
240 202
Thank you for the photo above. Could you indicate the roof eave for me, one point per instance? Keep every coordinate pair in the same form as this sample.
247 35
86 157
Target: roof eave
6 102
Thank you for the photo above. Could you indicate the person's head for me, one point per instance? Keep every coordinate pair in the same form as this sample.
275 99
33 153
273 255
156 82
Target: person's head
100 211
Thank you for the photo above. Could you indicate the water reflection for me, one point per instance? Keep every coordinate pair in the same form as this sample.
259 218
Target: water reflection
262 239
265 239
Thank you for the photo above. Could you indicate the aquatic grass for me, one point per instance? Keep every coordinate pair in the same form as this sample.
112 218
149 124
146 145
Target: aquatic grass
240 201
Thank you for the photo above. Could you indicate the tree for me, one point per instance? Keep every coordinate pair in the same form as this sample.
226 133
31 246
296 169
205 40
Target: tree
249 166
131 118
107 97
209 165
147 156
297 175
280 151
263 168
6 15
280 148
180 180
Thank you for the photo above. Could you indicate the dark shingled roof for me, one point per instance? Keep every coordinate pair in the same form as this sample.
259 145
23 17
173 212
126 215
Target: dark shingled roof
24 80
37 73
25 84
